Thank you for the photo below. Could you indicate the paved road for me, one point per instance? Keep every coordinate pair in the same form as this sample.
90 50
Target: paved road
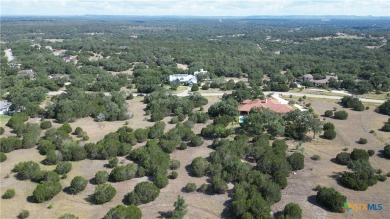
220 94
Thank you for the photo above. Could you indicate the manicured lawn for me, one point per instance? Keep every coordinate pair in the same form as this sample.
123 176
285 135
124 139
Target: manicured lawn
4 119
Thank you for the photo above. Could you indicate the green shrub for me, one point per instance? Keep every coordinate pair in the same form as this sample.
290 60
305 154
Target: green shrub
104 193
343 158
174 164
386 151
78 132
328 113
183 146
141 172
24 214
10 193
101 177
196 141
328 126
27 170
296 161
316 157
362 141
341 115
370 152
124 212
2 130
331 199
144 192
45 125
66 128
122 173
174 175
113 162
78 184
68 216
330 134
218 185
359 154
386 127
63 167
160 180
203 188
292 210
3 157
381 178
199 166
190 187
46 191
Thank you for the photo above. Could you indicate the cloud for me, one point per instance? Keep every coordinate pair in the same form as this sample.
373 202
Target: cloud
196 7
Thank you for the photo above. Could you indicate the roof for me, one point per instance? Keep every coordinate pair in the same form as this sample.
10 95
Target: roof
27 72
183 78
308 76
4 105
58 52
268 103
325 80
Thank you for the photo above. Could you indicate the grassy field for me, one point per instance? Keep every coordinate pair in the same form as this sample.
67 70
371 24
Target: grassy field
4 119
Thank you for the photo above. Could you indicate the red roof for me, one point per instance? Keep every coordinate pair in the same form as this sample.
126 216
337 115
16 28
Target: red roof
268 103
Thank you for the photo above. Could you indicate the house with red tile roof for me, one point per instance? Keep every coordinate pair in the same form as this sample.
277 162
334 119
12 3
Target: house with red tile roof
268 103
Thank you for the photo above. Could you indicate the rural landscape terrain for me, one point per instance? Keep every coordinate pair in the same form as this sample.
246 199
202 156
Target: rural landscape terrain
200 117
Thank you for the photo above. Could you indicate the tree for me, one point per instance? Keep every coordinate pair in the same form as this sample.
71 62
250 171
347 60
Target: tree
341 115
199 166
180 208
144 192
101 177
10 193
46 191
361 178
331 199
296 160
293 211
78 184
122 212
63 167
104 193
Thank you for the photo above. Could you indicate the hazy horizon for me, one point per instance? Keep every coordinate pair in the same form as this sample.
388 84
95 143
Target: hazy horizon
233 8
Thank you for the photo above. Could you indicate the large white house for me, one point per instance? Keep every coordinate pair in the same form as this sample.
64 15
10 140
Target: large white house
4 107
183 78
201 71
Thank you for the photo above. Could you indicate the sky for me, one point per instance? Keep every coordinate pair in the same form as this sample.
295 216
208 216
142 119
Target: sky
196 7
